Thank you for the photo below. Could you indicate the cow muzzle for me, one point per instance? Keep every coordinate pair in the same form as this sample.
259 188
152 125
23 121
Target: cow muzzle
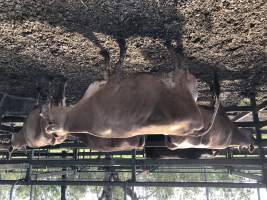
58 139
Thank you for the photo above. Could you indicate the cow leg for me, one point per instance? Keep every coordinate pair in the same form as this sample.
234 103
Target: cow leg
215 87
176 54
182 76
59 93
189 80
123 48
142 141
93 88
97 85
122 44
118 73
106 57
64 98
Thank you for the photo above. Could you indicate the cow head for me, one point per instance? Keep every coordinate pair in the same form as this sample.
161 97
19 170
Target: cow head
55 117
243 138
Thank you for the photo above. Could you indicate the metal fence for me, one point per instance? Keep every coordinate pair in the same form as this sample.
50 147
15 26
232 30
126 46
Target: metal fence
70 163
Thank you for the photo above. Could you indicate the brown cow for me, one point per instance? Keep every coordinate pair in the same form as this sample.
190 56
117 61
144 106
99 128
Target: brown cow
140 105
223 134
33 133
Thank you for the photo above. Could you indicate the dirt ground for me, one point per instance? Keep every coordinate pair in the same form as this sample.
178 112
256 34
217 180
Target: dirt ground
53 39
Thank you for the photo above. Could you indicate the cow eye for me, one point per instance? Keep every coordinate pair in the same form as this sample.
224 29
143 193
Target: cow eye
51 121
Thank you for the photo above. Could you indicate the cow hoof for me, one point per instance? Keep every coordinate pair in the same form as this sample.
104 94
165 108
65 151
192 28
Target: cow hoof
251 148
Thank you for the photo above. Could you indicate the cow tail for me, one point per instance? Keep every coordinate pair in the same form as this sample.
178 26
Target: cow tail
63 101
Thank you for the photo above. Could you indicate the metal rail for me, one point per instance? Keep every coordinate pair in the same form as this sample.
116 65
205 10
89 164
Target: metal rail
249 166
128 162
138 184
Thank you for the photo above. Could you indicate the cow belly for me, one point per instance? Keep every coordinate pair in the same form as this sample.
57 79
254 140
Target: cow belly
110 144
143 108
175 128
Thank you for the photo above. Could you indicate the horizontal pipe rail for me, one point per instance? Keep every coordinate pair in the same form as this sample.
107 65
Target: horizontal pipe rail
245 108
246 175
9 128
137 184
238 109
139 162
251 124
242 115
13 119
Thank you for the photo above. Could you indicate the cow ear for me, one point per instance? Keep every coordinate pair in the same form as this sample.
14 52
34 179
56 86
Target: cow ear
44 110
63 101
48 105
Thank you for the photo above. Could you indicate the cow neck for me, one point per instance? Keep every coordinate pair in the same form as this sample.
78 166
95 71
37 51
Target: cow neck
78 118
